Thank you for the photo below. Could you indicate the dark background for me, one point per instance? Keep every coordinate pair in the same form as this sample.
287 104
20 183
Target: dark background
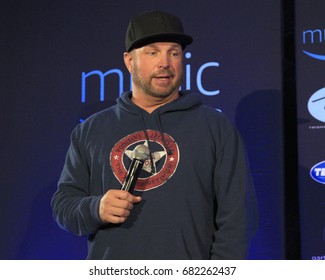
47 45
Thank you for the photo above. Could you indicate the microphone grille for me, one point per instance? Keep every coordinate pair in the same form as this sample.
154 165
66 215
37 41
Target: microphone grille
141 152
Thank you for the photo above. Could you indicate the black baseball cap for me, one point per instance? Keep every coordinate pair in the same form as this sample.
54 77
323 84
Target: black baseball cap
155 26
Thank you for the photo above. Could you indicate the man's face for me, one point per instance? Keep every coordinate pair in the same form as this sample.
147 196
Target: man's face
157 69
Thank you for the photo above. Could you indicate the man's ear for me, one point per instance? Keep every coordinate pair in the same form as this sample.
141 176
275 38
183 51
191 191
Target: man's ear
128 61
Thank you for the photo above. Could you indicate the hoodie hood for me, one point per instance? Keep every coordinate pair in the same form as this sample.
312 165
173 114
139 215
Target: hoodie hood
185 101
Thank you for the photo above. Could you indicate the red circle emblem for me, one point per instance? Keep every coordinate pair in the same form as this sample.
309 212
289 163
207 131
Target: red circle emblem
156 172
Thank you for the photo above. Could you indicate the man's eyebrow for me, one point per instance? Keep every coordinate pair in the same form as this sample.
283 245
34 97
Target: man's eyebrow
153 45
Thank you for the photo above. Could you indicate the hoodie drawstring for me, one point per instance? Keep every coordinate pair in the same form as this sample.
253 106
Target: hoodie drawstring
147 138
168 150
158 120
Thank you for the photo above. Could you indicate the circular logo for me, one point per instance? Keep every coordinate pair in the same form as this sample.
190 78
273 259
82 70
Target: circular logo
316 105
157 170
317 172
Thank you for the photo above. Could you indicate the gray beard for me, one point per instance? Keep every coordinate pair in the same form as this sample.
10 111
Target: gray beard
149 89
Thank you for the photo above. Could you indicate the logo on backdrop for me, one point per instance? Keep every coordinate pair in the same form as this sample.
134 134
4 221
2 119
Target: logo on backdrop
188 75
317 172
316 105
156 172
312 39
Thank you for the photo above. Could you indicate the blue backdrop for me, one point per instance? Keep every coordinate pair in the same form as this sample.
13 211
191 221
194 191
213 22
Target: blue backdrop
310 55
63 60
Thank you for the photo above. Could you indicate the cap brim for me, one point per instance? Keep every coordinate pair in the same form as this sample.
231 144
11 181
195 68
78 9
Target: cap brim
180 38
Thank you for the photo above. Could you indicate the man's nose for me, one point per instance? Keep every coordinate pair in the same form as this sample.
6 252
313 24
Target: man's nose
164 61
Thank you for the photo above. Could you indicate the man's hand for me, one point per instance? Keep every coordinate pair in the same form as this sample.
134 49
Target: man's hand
116 205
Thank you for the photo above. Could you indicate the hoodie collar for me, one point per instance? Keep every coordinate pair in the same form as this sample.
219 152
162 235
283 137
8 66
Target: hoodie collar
186 101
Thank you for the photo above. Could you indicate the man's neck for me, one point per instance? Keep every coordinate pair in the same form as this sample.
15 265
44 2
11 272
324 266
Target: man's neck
150 103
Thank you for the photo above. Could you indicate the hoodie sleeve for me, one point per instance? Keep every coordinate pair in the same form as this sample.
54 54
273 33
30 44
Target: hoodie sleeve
236 216
74 208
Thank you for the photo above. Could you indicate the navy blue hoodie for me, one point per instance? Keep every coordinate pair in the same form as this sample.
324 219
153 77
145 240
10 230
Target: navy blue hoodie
197 197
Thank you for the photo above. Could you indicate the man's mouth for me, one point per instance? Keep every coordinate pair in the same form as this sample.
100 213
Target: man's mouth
163 77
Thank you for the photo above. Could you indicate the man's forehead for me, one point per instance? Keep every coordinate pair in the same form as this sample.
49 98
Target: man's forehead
169 45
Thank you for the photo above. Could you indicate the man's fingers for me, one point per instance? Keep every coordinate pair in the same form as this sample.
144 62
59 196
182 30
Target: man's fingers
115 206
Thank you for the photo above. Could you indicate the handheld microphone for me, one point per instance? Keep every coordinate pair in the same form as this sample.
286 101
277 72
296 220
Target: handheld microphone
140 155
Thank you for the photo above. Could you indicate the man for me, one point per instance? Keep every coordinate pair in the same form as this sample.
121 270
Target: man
193 198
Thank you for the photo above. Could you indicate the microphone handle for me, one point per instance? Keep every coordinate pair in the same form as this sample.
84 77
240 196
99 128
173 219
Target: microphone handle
132 175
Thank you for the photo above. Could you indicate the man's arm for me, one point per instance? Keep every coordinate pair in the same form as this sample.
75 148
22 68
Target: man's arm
236 215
